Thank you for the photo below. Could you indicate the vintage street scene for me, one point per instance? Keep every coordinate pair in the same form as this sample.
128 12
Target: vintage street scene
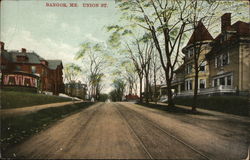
125 79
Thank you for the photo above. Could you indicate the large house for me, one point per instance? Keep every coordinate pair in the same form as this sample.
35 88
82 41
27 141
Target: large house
224 61
29 70
76 89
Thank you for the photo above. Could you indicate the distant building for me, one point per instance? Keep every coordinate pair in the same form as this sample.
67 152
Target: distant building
225 61
132 98
76 89
28 69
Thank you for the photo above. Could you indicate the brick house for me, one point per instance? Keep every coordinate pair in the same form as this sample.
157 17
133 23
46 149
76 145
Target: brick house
225 61
28 69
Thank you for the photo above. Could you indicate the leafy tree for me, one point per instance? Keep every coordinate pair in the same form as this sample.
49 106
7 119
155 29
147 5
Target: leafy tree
92 57
118 92
72 72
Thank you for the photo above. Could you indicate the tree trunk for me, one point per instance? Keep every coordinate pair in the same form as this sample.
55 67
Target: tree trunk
195 88
146 88
155 96
170 94
140 89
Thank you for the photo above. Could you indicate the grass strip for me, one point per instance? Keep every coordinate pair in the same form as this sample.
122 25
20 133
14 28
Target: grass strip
15 130
15 99
237 105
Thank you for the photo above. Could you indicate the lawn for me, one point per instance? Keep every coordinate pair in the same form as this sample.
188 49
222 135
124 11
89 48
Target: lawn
237 105
15 99
15 130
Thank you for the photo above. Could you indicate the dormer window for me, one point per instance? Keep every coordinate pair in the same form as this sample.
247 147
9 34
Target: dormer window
22 58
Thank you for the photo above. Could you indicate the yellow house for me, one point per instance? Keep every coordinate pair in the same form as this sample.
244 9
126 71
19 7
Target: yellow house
229 59
224 62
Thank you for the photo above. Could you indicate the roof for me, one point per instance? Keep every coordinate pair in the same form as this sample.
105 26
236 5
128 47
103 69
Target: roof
200 34
239 29
12 56
132 97
33 58
52 64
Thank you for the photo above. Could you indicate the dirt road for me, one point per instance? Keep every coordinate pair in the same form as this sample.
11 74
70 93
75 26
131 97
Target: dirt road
129 131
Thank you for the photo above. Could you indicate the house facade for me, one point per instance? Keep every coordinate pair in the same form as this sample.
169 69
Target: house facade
224 62
229 59
76 89
28 69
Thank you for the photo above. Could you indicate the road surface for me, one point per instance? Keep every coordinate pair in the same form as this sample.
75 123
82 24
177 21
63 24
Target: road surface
130 131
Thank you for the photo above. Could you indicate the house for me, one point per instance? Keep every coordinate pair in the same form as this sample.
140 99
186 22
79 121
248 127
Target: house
76 89
184 76
27 69
224 61
132 98
229 59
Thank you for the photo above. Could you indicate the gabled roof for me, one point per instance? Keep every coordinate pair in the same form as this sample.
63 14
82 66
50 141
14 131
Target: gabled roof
52 64
200 34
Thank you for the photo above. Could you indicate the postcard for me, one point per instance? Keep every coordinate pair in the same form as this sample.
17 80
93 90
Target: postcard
125 79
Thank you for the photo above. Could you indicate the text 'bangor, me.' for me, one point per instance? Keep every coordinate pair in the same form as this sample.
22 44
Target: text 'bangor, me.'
90 5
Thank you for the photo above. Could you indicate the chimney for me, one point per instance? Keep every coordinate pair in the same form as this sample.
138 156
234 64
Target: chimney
23 50
225 21
2 45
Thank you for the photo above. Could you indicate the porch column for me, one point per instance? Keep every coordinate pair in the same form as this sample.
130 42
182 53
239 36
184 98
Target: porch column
179 88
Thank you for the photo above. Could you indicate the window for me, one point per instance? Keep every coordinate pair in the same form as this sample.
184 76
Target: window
18 68
215 82
190 52
222 81
189 85
189 68
229 80
33 69
203 67
222 60
202 83
22 58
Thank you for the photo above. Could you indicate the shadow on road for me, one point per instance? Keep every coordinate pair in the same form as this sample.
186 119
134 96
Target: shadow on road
175 110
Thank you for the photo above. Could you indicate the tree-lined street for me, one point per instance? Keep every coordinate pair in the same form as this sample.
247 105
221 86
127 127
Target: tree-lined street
127 130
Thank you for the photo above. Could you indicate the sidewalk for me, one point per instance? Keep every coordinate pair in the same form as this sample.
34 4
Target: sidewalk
30 109
211 112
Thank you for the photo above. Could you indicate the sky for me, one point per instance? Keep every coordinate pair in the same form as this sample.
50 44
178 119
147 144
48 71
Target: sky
56 32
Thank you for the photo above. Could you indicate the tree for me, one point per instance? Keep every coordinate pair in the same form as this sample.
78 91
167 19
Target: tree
103 97
118 92
72 72
155 69
91 55
167 18
141 60
130 76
